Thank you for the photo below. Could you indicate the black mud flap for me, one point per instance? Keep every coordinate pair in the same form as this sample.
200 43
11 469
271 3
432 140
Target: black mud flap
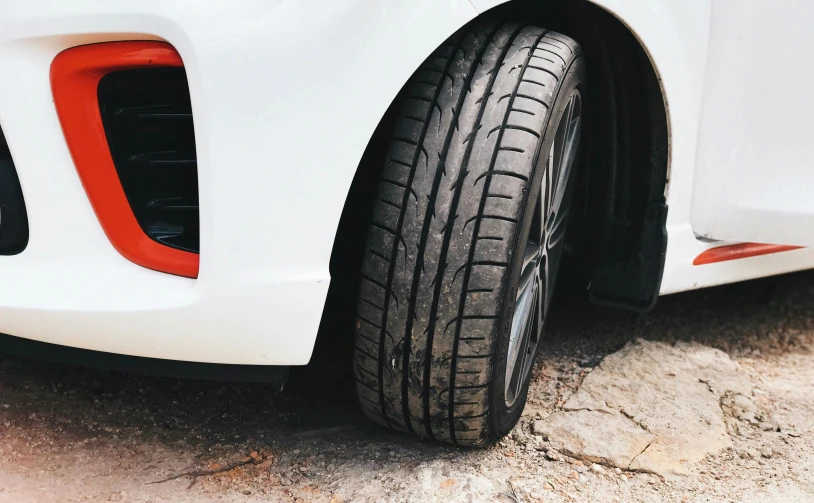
634 284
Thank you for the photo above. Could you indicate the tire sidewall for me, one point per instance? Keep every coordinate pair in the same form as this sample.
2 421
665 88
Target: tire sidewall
502 418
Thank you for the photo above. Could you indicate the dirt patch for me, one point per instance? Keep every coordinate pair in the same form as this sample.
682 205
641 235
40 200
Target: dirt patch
74 434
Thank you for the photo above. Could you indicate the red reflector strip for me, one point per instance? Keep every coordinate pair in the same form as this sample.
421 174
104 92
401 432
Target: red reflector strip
75 76
740 250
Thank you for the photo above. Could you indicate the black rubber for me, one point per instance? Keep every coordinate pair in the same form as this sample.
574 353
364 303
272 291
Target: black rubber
438 281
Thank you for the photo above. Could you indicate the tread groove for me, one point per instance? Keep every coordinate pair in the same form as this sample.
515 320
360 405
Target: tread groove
375 282
370 340
500 217
550 51
545 59
372 304
383 227
368 321
530 81
377 254
406 165
543 70
388 203
532 98
367 354
521 128
501 173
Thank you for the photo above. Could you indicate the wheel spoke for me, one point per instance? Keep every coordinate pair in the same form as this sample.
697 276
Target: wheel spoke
547 287
570 140
530 258
569 132
527 292
556 228
542 299
543 205
555 163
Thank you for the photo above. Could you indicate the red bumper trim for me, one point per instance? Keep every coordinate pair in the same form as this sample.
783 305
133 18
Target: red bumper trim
75 75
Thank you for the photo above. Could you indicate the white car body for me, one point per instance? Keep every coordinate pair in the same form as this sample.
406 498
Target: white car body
739 150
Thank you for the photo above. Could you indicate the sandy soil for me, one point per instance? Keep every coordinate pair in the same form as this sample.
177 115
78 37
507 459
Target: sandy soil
74 434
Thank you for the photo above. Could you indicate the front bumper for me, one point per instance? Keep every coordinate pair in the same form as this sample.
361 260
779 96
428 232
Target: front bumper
285 96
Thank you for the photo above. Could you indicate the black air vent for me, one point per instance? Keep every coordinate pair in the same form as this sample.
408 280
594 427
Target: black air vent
148 122
13 218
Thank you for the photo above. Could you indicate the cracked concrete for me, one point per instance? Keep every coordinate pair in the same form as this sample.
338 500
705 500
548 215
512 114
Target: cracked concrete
652 407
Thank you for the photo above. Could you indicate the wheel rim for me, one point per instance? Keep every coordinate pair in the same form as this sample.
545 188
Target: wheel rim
542 252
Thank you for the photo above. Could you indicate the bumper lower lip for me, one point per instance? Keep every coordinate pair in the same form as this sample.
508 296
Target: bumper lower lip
151 366
105 303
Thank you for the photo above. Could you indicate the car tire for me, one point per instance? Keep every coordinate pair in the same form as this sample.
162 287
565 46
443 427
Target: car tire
471 179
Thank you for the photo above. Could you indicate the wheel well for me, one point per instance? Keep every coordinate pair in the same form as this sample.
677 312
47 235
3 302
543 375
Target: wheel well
617 237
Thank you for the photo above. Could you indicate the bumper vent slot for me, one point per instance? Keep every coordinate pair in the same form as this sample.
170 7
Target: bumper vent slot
147 118
13 217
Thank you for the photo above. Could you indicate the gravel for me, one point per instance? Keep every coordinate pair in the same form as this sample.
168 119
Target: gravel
75 434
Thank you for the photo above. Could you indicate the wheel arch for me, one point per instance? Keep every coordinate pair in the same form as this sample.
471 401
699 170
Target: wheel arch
628 221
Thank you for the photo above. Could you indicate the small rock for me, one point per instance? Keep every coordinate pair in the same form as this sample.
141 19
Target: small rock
447 483
539 428
652 480
767 452
285 482
597 468
623 477
246 492
581 469
770 425
426 476
617 471
746 454
553 456
573 475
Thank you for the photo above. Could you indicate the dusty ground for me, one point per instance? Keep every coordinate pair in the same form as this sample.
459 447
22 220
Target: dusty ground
73 434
